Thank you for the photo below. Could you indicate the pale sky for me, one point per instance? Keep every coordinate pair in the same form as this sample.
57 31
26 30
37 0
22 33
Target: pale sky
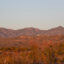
43 14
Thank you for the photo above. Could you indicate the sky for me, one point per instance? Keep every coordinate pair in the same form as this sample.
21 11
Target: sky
42 14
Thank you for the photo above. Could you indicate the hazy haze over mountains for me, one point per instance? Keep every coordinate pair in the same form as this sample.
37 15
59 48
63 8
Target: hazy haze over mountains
31 32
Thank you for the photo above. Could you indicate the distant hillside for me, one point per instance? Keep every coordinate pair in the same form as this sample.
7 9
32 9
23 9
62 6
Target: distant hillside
31 32
27 41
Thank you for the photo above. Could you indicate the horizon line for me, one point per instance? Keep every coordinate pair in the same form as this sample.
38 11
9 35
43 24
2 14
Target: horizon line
31 27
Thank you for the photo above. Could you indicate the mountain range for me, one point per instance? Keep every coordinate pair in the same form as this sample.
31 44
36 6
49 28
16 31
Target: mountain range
31 32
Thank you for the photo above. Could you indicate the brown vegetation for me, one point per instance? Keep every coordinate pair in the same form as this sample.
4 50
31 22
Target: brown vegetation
32 50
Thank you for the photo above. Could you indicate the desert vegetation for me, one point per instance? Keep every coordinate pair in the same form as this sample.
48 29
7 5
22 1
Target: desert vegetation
32 50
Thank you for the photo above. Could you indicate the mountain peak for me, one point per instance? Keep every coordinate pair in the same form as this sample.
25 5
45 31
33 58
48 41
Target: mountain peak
60 27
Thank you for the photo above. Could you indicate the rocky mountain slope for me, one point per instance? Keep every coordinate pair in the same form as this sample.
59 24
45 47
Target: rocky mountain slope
31 32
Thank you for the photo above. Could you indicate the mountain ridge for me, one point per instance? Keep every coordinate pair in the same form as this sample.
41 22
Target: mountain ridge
31 31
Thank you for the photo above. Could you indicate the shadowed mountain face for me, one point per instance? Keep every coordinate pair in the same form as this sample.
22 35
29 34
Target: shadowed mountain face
31 32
